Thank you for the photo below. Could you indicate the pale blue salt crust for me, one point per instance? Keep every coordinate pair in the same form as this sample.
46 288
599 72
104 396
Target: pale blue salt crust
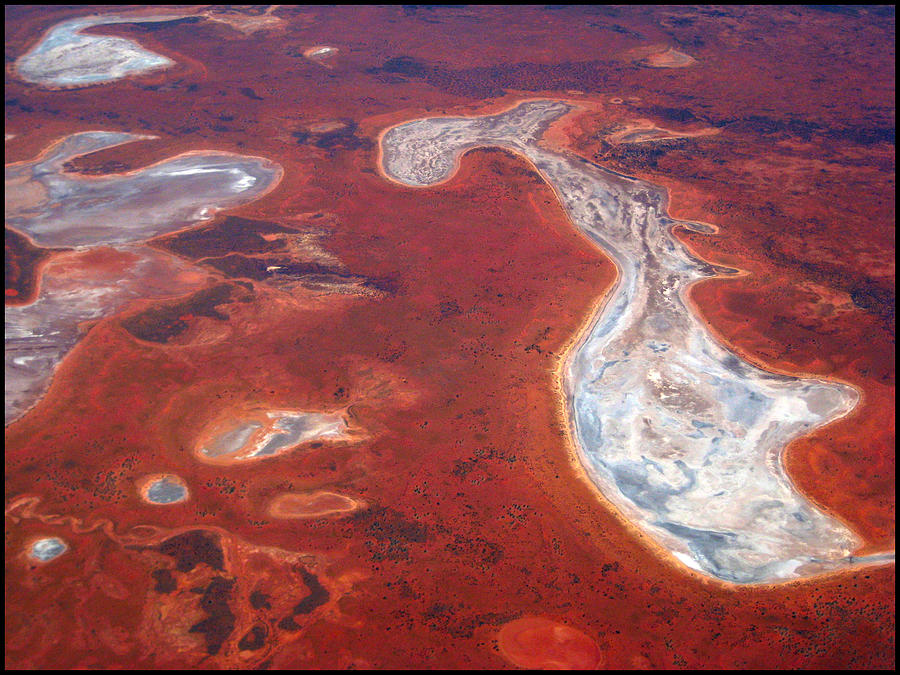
166 490
48 548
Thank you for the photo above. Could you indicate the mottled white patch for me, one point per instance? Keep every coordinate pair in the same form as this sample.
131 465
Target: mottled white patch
65 57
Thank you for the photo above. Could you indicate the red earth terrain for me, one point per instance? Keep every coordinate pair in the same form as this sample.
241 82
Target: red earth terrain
452 525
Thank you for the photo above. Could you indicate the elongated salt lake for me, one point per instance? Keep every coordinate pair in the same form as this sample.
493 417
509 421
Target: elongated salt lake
678 432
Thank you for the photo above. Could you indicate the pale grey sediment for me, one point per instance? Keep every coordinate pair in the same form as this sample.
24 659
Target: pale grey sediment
683 436
130 207
231 441
275 432
292 428
66 57
118 211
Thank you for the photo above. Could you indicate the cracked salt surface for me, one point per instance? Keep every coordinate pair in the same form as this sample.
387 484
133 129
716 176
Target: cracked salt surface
680 434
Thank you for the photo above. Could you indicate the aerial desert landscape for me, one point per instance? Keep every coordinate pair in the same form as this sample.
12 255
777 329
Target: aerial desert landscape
450 337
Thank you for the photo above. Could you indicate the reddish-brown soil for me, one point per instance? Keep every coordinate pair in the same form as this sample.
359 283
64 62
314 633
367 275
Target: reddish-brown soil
311 505
538 643
439 319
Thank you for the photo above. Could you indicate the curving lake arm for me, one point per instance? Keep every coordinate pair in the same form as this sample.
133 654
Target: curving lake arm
683 436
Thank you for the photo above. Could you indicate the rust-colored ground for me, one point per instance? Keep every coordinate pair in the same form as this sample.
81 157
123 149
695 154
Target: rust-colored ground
439 320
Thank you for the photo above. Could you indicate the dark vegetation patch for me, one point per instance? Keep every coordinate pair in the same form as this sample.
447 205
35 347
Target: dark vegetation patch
689 42
768 126
587 76
875 300
449 308
21 260
805 129
249 93
220 621
390 532
192 548
493 81
680 21
342 138
236 265
254 639
80 166
515 171
388 285
318 595
847 10
866 295
482 456
231 235
865 135
640 156
885 11
475 548
237 248
259 600
288 624
448 619
165 582
405 65
616 28
162 323
670 114
153 26
17 104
